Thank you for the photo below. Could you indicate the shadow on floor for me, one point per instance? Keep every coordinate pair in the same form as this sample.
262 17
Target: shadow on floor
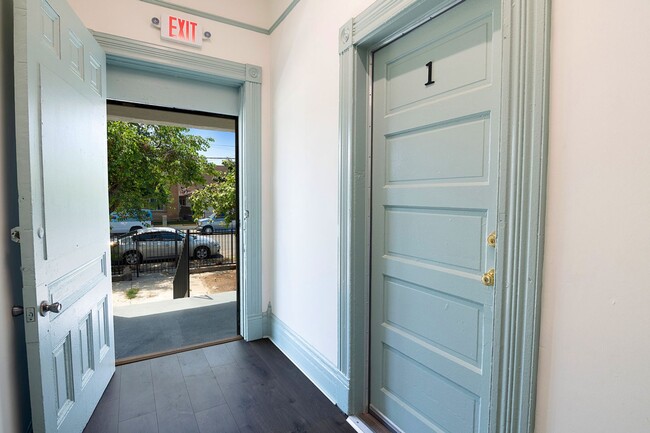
153 333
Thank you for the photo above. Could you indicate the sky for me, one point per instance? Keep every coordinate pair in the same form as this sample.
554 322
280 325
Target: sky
223 145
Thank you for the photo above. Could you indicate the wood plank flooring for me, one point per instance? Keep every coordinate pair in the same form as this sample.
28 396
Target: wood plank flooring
236 387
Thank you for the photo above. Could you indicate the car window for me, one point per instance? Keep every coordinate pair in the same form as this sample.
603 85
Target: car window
169 236
147 237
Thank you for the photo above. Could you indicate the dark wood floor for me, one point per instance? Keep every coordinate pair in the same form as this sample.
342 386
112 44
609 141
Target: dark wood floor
235 387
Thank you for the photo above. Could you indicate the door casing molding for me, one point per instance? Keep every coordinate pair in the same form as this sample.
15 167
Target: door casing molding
135 54
522 194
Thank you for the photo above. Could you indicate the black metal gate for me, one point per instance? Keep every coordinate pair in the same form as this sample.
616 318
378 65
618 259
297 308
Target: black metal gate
182 277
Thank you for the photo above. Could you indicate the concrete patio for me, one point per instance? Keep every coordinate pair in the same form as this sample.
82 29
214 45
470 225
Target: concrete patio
153 322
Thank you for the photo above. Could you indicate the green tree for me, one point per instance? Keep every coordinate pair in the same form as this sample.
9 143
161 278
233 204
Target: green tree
221 196
144 161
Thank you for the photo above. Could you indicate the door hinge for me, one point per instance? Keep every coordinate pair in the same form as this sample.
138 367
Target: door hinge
15 234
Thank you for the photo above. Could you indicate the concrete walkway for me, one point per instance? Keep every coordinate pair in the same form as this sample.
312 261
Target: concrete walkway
168 306
154 322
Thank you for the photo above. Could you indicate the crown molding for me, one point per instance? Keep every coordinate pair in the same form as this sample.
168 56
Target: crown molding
220 19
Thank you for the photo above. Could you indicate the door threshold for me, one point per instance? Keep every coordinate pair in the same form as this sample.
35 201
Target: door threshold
367 423
138 358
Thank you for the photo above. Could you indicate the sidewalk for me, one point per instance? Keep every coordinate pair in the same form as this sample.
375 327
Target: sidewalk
173 305
153 321
167 325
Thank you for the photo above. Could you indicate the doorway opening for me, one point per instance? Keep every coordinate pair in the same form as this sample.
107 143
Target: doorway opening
173 196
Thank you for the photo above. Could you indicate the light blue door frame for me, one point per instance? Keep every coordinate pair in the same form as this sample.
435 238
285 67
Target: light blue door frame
520 219
247 81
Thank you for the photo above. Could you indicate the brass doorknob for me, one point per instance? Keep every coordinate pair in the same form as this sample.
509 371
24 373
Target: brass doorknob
488 278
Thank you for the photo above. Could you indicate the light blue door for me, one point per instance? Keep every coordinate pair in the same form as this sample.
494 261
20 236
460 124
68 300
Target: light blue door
436 133
60 89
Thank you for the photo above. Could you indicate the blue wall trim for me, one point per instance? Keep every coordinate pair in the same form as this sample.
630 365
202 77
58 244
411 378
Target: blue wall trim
284 14
257 327
224 20
323 373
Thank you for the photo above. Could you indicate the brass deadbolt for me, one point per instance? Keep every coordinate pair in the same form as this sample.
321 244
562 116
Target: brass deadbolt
492 239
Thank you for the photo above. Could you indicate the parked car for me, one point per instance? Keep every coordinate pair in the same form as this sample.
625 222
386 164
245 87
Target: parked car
213 223
161 243
130 223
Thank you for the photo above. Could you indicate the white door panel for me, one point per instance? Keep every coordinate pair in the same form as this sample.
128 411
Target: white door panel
62 180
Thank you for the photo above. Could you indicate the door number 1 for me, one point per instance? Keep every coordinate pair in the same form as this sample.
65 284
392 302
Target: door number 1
429 74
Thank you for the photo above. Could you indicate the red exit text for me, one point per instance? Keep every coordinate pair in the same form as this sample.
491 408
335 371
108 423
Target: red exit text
182 30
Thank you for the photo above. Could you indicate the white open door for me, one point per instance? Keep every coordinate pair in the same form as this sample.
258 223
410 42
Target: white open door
63 202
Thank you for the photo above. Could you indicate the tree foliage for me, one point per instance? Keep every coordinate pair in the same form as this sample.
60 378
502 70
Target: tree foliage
221 196
144 161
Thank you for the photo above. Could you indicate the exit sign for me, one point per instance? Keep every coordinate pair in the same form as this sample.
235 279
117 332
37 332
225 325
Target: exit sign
182 30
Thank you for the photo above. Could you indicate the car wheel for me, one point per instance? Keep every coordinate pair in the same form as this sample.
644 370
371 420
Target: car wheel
207 230
132 257
134 228
201 253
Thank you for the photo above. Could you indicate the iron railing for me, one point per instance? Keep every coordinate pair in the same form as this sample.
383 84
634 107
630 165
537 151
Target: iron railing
155 251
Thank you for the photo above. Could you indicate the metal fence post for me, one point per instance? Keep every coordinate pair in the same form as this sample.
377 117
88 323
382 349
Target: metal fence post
137 262
187 262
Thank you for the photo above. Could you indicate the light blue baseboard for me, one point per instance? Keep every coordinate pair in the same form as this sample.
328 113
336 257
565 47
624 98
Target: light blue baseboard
255 328
311 362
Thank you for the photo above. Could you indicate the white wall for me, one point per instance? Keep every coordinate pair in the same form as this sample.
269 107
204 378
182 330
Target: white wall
14 393
304 249
595 343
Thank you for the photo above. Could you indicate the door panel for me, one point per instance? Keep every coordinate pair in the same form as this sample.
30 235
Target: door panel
62 178
431 396
68 162
455 325
407 154
434 203
457 233
467 44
